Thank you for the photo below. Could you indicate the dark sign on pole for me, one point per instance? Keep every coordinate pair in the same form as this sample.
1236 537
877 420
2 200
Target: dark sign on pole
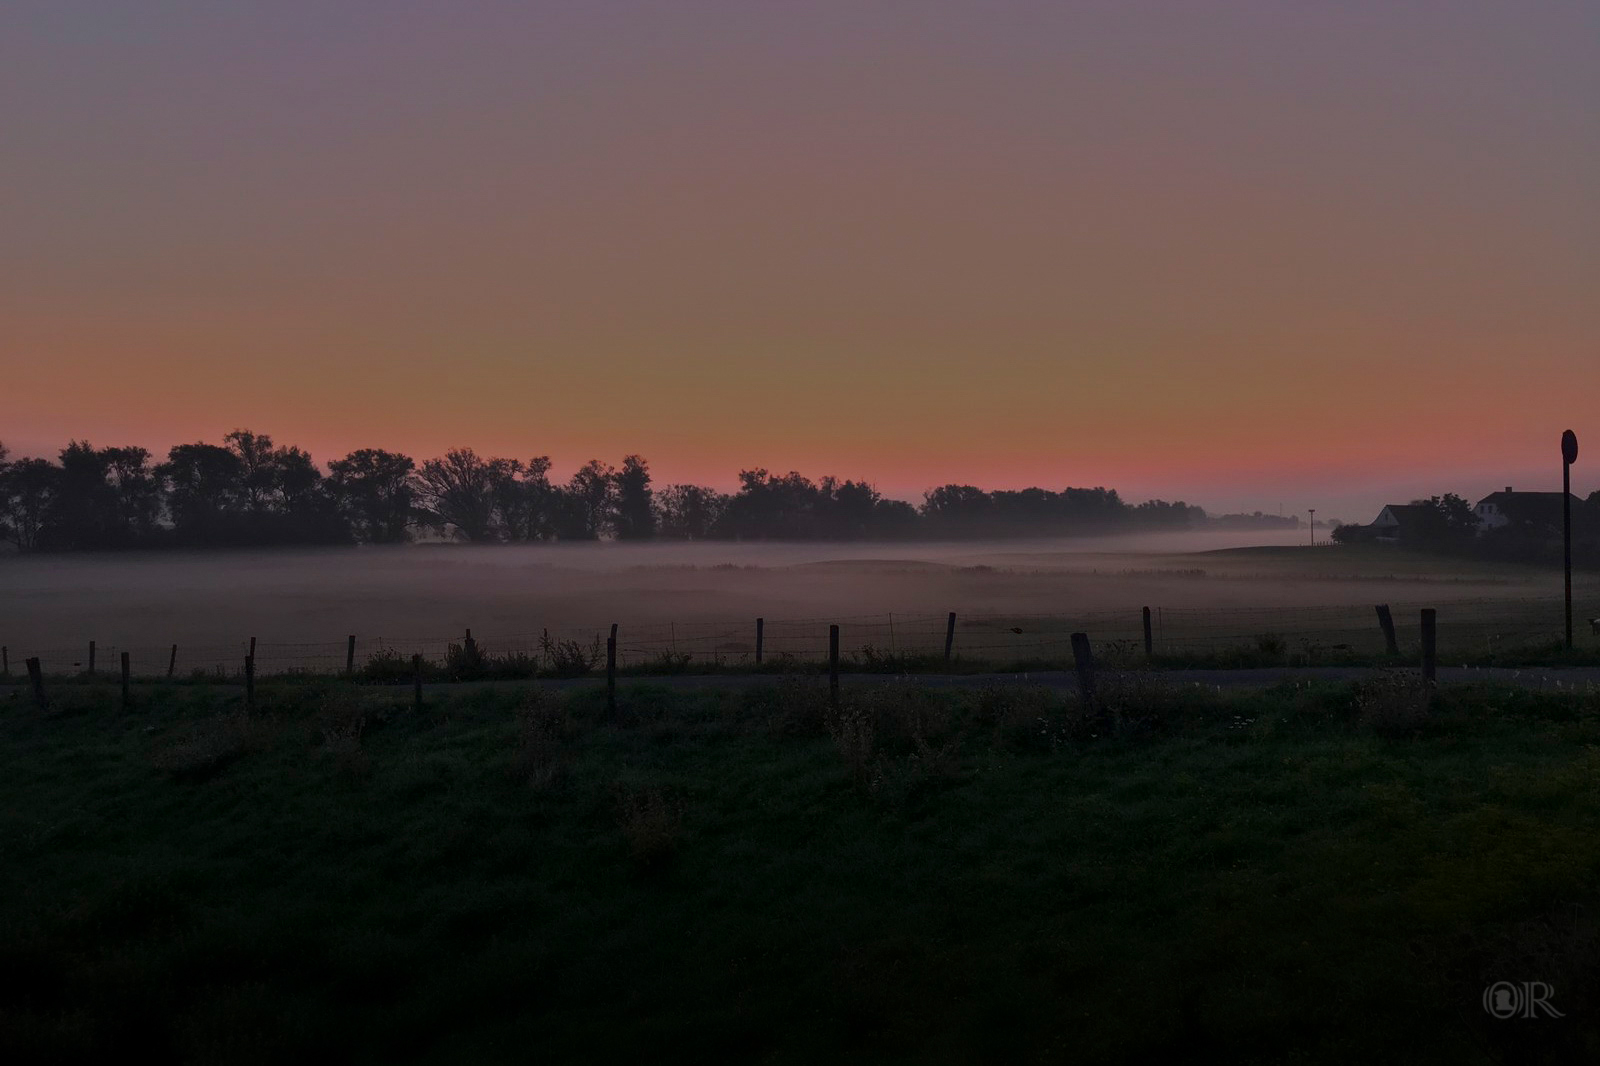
1569 455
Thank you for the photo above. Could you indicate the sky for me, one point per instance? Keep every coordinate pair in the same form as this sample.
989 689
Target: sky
1267 255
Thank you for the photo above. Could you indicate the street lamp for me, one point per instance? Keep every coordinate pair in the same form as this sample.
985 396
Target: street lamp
1313 512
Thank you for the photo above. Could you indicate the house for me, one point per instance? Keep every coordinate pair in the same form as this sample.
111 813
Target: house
1396 519
1538 513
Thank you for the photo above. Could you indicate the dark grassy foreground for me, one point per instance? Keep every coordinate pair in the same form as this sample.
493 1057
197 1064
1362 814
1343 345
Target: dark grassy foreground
1325 874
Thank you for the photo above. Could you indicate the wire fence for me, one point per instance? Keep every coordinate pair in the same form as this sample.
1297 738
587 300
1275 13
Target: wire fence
1310 633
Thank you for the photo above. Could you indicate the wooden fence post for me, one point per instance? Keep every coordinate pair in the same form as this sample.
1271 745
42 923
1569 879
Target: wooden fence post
833 665
1430 658
172 661
761 625
350 655
1386 622
949 635
250 682
1149 636
611 674
5 661
124 680
36 676
252 647
416 681
1083 661
91 658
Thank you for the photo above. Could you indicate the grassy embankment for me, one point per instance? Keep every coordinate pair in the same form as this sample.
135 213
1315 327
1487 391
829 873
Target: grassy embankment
748 875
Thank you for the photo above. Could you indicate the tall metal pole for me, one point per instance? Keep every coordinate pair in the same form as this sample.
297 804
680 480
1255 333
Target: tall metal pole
1569 455
1313 512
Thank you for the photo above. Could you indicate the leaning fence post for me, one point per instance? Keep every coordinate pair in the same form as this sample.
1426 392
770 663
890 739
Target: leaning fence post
252 647
1083 661
36 676
611 673
949 635
250 682
350 655
124 680
761 625
1429 645
833 665
91 658
416 681
5 661
172 661
1386 623
1149 637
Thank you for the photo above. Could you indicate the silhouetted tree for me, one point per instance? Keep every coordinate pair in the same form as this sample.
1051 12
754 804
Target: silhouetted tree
205 492
137 491
1159 514
957 508
457 493
1445 522
688 512
104 498
295 479
251 491
258 470
372 489
542 500
771 507
82 510
27 491
634 518
588 503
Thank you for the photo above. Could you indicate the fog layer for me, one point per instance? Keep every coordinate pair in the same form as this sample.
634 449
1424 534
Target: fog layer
433 592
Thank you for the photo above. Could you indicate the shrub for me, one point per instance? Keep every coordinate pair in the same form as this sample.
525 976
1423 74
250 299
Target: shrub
1138 702
1393 704
543 724
387 664
670 662
851 728
652 825
463 661
341 721
1018 716
209 747
796 706
568 658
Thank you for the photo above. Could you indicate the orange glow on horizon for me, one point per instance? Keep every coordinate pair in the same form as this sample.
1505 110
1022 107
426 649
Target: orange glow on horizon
1078 247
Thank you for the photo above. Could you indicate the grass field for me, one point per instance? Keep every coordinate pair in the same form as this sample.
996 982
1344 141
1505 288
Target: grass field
1316 873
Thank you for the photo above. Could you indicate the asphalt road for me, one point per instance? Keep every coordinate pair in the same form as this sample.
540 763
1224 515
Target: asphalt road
1532 677
1578 678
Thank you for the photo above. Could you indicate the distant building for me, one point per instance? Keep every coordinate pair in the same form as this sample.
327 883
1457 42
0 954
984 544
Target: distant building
1537 513
1396 519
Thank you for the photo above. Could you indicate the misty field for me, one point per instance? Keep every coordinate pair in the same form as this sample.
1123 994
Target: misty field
1015 600
1326 873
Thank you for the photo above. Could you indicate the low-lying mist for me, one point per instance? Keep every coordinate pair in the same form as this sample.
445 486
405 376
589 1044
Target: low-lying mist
429 591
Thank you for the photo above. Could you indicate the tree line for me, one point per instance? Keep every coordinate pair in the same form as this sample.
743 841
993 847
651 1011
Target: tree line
250 491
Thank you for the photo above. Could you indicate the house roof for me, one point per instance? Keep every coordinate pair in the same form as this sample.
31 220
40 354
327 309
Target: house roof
1404 512
1536 508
